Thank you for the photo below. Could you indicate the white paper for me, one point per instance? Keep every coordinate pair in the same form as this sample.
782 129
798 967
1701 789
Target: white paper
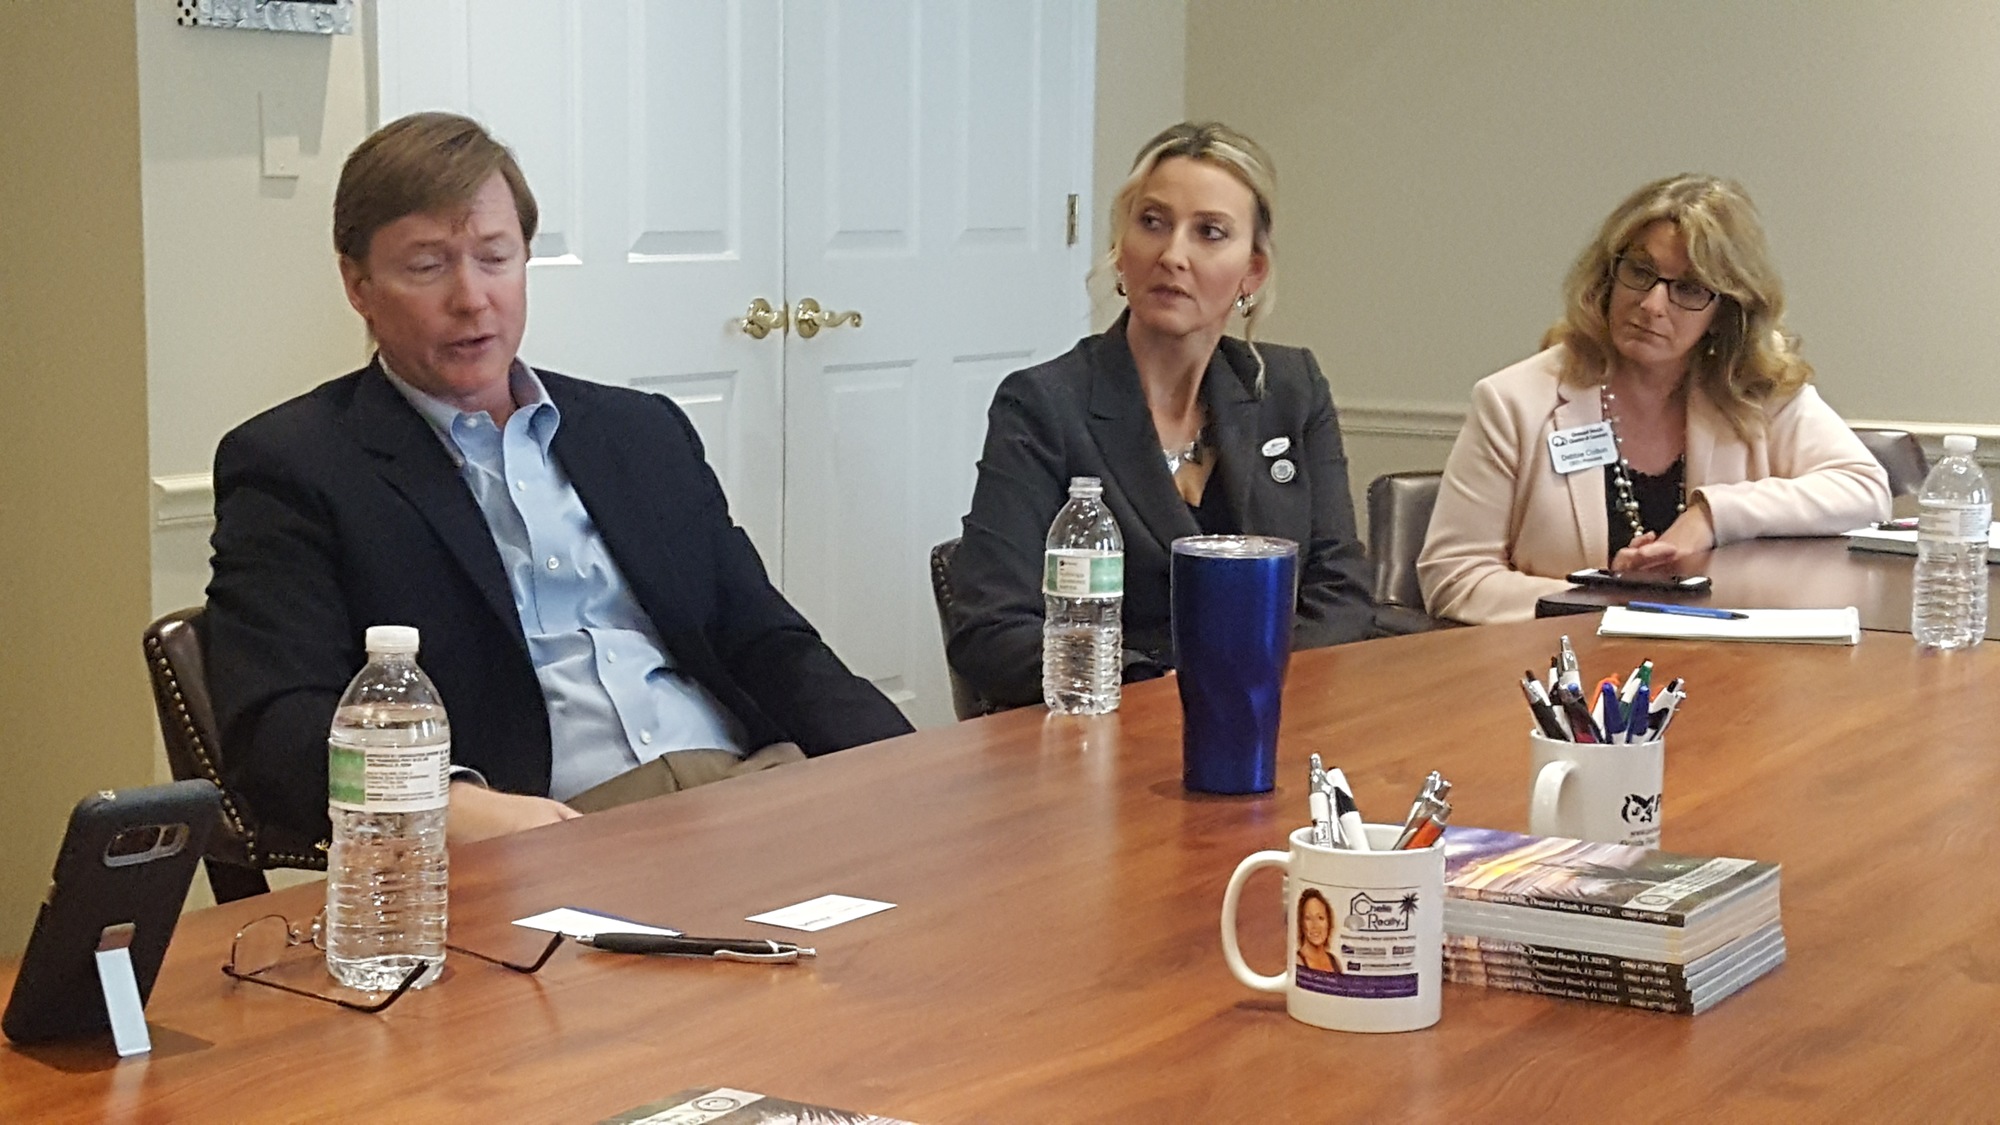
1801 626
821 913
576 923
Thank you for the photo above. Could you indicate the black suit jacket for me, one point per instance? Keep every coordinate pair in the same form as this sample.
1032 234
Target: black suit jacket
1084 414
341 509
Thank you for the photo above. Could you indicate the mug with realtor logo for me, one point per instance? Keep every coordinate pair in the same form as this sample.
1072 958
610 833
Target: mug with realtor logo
1364 932
1606 794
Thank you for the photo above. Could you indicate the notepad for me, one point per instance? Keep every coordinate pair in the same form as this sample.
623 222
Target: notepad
1789 626
1905 542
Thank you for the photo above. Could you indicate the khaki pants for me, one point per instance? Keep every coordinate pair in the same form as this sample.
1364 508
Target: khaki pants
678 770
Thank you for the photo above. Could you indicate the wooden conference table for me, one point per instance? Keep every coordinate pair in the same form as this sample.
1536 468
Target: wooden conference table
1812 573
1053 956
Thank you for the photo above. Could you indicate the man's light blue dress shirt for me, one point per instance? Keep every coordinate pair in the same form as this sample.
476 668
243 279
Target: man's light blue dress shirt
614 697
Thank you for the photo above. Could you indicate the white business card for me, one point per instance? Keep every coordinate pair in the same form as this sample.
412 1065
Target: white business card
575 923
814 915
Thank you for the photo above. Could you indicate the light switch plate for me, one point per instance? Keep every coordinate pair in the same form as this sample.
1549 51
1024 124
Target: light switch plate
280 135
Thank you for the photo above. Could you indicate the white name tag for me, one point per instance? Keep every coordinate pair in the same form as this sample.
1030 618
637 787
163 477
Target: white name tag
1582 447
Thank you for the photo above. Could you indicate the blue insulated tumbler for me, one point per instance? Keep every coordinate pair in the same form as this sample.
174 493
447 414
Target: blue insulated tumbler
1233 598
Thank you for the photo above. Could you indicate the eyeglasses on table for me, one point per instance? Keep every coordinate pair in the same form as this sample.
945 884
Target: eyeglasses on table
262 943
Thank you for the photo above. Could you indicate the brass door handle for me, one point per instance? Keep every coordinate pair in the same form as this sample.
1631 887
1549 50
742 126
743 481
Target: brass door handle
811 318
762 319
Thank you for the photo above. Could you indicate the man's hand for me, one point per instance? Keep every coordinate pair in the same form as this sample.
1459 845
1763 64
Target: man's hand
1691 534
478 812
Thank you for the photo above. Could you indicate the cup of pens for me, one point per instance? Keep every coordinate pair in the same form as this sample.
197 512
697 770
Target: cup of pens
1597 772
1364 918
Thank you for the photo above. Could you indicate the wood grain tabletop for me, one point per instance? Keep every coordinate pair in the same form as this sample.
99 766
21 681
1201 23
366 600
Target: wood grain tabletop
1054 957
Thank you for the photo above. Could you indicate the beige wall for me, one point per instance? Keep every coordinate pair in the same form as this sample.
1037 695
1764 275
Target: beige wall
1442 162
1141 89
243 302
73 580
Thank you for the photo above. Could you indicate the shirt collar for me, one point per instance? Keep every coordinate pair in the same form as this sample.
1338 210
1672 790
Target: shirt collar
530 396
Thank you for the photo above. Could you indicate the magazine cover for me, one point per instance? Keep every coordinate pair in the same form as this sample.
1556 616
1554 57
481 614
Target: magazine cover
720 1105
1595 880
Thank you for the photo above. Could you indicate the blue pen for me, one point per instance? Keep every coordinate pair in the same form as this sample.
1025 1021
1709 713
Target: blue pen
1689 611
1641 723
1614 714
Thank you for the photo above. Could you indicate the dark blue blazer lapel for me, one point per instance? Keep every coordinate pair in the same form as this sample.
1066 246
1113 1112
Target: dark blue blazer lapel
414 462
1122 427
629 498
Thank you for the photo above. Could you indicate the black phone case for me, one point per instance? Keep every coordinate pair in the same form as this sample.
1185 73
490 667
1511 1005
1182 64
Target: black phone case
56 995
1685 583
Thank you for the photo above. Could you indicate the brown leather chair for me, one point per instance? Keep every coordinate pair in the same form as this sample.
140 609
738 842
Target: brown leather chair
238 852
1901 455
965 702
1399 514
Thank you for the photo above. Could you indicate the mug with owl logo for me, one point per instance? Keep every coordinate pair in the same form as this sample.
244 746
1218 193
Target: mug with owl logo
1606 794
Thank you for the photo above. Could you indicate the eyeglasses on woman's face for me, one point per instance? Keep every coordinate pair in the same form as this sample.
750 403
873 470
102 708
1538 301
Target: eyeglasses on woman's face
1640 277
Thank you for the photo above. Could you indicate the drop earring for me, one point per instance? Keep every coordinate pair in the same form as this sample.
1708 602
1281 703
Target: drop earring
1119 285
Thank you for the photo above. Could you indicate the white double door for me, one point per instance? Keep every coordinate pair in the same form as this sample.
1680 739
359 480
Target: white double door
915 161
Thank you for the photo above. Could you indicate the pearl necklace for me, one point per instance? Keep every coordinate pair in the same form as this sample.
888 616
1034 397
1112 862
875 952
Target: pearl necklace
1621 470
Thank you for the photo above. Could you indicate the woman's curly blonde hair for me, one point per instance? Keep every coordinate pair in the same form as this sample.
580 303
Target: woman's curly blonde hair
1748 359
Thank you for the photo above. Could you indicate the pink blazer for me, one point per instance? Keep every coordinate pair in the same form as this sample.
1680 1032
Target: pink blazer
1507 527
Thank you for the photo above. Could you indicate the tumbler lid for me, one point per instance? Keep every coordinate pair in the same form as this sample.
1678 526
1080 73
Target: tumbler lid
1235 546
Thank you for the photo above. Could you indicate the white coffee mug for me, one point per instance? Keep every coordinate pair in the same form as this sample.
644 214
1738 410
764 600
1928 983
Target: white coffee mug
1364 931
1604 793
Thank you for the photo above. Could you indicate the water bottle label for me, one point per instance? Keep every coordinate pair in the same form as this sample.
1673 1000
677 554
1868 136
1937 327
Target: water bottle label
386 779
1084 574
1954 523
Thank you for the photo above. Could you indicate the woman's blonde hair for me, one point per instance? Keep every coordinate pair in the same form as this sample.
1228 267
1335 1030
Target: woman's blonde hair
1231 151
1748 358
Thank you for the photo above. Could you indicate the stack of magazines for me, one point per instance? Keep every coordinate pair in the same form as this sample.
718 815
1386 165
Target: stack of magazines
1606 922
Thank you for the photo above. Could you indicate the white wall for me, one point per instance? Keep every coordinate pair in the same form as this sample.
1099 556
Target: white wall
243 302
1141 89
1441 163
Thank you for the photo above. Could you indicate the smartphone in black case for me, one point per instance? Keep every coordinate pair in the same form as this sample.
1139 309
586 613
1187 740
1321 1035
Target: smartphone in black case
122 875
1640 580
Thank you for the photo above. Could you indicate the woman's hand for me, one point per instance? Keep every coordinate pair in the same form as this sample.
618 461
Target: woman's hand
1691 534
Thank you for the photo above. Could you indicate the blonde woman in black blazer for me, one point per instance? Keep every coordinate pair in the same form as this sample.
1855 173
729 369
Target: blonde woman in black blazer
1190 430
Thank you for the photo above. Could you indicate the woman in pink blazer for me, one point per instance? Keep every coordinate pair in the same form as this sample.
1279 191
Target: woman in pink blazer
1673 414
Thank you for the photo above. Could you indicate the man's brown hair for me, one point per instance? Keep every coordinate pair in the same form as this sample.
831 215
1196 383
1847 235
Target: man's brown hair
417 164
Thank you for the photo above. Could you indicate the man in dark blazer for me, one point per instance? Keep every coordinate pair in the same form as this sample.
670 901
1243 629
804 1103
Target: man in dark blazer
348 507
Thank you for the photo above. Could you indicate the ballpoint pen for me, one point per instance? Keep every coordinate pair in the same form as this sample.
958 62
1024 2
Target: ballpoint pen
1430 804
1689 611
1544 712
1572 674
1639 723
1610 714
721 949
1642 676
1353 835
1581 727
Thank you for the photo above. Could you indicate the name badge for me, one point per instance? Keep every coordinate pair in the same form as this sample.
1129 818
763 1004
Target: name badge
1582 447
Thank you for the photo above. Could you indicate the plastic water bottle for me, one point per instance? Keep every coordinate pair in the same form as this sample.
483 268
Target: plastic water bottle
388 782
1954 514
1083 595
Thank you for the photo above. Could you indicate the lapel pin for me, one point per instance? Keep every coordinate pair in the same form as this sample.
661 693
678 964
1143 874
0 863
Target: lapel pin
1282 471
1276 446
